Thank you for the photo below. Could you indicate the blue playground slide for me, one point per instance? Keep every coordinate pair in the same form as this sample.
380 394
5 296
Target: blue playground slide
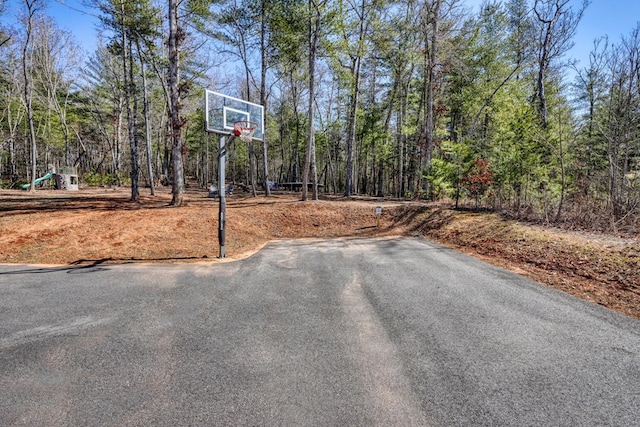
38 181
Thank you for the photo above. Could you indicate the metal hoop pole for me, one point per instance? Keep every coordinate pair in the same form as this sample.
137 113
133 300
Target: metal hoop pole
222 212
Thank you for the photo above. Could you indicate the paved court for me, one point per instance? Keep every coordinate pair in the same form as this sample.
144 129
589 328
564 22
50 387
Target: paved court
336 332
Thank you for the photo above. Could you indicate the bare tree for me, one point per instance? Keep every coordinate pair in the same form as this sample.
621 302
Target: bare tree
105 89
176 36
32 7
12 114
431 21
54 60
264 66
147 119
557 24
315 23
356 44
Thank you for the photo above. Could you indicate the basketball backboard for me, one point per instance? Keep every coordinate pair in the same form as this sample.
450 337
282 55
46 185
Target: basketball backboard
223 111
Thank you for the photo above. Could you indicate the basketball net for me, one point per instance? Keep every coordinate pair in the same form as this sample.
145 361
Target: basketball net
244 129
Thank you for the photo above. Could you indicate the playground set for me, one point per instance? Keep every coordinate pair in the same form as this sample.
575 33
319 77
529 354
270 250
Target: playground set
67 180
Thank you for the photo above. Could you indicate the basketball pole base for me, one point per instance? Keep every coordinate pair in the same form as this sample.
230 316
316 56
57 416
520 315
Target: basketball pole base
222 223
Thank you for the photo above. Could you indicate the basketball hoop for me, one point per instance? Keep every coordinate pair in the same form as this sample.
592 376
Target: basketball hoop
244 129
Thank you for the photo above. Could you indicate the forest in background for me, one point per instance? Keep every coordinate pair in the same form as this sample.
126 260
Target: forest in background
414 99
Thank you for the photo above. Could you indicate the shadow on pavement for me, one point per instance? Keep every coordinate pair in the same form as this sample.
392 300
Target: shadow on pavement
91 266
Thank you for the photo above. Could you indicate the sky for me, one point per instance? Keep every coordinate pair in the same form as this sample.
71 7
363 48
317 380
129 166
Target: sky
614 18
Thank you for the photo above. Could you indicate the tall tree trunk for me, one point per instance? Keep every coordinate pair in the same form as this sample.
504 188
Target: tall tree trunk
147 122
31 10
558 25
310 158
252 155
295 152
263 97
563 184
177 122
351 133
356 67
132 115
126 76
65 130
118 138
432 55
13 122
542 71
402 139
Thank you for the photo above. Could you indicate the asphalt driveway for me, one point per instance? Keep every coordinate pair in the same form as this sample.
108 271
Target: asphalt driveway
331 333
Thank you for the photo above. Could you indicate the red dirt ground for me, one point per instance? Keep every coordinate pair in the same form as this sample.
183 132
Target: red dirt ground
99 225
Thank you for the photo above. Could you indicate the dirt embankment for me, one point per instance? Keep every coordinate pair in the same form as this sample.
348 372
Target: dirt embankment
102 225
